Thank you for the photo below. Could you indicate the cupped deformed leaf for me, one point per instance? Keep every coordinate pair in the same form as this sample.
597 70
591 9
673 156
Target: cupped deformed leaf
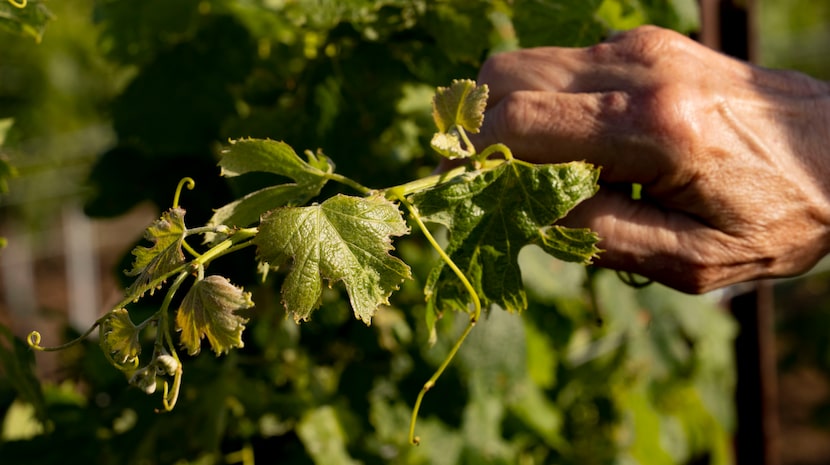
210 310
268 156
118 338
461 104
459 107
166 234
344 239
492 214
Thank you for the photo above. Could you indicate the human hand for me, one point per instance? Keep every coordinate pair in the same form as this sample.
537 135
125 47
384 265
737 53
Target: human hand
734 160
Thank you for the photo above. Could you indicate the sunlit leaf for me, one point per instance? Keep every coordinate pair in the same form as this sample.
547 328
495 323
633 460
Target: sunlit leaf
119 338
449 145
492 214
460 104
167 235
459 107
344 239
268 156
210 310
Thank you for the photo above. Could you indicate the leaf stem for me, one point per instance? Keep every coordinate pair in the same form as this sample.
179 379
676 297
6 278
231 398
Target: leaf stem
421 184
466 139
348 182
190 249
413 439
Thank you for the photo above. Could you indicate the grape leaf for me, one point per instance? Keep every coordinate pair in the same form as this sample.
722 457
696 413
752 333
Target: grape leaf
118 338
249 155
167 235
557 22
492 214
209 309
343 239
454 109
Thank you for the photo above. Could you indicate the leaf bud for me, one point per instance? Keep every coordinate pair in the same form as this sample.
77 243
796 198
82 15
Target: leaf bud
166 365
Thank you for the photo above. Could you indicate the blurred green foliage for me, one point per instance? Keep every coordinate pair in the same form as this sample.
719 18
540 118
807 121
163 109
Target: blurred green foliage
594 372
795 34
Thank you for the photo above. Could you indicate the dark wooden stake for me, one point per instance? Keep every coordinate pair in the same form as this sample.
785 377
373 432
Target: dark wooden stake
729 26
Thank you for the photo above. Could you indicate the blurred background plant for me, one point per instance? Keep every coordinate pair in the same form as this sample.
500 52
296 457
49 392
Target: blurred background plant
115 101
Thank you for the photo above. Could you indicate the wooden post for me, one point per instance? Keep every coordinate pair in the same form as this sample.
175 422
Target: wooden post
730 26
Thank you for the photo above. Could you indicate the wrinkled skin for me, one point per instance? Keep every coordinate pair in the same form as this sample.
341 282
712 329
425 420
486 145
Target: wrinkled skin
734 159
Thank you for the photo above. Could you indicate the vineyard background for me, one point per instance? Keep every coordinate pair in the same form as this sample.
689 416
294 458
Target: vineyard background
120 100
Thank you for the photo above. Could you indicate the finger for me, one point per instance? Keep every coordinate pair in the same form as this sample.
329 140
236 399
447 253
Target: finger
663 245
544 127
551 69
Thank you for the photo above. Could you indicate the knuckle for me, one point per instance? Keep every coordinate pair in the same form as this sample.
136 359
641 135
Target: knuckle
495 66
512 120
644 44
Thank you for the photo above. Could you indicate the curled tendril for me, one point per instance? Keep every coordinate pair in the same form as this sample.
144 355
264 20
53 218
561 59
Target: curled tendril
633 280
20 4
33 339
171 396
187 181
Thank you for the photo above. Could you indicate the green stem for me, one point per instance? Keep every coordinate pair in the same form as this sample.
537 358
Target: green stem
466 139
225 247
418 185
495 148
190 249
413 439
348 182
34 338
168 400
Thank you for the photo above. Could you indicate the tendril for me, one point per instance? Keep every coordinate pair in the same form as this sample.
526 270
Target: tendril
476 314
34 338
495 148
171 396
186 181
633 280
21 4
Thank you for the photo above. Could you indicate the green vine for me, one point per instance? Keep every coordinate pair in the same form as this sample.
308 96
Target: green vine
347 239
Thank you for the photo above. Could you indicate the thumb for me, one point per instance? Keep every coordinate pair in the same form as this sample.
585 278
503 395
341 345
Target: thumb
663 245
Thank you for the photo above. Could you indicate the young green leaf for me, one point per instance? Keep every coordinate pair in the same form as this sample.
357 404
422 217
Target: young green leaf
343 239
455 109
249 155
492 214
167 235
210 309
461 104
118 338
